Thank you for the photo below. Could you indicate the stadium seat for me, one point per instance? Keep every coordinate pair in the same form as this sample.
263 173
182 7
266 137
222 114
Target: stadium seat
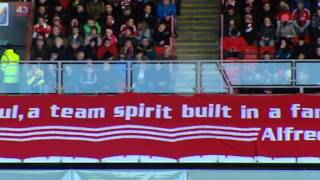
233 59
250 49
250 53
268 49
250 56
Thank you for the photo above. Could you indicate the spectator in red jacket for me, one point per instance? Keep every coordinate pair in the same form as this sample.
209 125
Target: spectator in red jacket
301 18
107 51
233 45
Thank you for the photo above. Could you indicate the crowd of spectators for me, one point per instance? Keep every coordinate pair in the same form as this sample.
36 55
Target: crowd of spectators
102 30
271 29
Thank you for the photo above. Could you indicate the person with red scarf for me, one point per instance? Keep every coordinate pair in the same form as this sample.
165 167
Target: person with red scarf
41 28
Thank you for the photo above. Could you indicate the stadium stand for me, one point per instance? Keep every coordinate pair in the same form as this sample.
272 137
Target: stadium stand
271 29
136 41
103 30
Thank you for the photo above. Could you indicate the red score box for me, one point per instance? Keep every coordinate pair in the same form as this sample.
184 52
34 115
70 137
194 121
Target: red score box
23 9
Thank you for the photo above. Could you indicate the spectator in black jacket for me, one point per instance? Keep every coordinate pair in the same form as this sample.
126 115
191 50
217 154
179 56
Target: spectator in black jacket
266 11
80 14
59 49
91 49
301 48
75 36
162 36
147 16
39 49
267 33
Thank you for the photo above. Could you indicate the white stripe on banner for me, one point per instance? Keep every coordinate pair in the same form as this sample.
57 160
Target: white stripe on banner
142 132
127 137
68 128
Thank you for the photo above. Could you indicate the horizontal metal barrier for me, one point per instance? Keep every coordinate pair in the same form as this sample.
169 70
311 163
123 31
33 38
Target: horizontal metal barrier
162 174
93 77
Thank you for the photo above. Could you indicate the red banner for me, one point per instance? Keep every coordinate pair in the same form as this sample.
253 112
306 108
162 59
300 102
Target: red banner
167 126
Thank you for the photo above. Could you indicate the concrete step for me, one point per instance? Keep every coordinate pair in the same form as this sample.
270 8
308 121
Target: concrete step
199 17
197 34
202 47
202 10
195 43
198 21
198 28
204 22
197 40
194 33
197 57
193 18
202 2
196 50
195 4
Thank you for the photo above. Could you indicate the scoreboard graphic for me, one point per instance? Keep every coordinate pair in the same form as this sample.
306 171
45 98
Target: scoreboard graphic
4 14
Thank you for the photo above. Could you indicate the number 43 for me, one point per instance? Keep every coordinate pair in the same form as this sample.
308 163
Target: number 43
22 10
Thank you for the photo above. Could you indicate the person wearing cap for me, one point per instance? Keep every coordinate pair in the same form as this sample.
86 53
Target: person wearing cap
285 28
10 69
284 13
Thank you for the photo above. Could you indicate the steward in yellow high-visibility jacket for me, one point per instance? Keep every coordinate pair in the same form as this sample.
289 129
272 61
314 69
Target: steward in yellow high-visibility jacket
10 66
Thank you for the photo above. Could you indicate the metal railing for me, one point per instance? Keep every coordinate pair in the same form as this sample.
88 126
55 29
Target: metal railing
164 77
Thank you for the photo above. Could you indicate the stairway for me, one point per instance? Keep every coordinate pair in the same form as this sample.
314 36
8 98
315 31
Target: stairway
198 29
